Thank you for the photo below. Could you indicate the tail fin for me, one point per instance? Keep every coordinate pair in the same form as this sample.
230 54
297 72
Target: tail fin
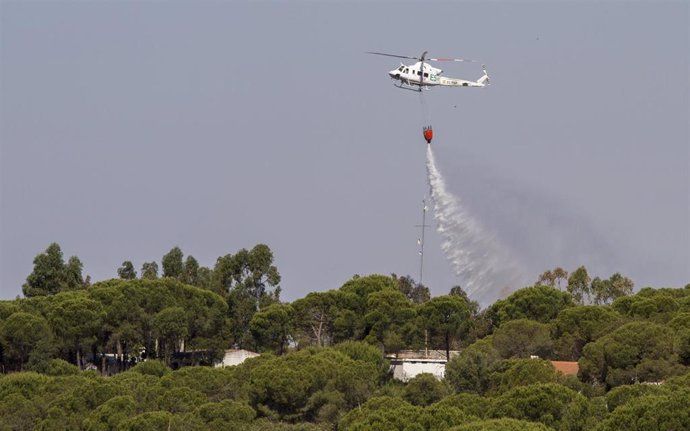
484 79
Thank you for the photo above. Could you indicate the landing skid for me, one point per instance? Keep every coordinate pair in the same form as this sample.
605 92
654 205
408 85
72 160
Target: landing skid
410 87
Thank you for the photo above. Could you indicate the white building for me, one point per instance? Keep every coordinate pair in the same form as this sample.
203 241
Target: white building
235 357
407 364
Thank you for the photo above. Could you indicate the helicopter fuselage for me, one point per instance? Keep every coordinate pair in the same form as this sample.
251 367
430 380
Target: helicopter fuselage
424 75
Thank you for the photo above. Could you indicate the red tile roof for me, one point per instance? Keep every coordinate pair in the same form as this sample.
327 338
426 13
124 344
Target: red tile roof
566 367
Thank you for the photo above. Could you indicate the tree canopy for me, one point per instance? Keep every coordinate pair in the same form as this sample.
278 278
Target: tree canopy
136 352
52 275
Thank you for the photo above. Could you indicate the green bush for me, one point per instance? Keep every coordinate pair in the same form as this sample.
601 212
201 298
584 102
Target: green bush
152 368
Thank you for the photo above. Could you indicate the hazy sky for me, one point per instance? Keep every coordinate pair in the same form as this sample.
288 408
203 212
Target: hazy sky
129 128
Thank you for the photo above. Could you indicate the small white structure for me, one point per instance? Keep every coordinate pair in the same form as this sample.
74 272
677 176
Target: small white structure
235 357
407 364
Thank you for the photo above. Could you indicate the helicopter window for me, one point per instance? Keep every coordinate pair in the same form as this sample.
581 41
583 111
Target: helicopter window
401 68
426 75
407 70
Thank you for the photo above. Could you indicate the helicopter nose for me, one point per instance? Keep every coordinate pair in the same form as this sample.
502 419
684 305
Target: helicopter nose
392 73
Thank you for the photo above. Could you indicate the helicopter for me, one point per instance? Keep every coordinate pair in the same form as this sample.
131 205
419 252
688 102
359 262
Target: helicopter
422 75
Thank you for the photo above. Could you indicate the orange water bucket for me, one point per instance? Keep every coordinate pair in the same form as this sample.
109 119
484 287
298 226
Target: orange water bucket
428 134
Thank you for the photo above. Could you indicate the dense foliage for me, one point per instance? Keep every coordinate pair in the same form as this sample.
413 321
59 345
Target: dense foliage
133 353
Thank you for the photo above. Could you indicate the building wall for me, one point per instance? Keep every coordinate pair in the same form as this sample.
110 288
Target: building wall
405 370
235 357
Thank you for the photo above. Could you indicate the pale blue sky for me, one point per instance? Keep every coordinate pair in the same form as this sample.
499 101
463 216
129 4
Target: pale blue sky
129 128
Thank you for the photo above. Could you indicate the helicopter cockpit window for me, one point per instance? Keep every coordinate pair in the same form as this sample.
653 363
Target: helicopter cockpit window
401 68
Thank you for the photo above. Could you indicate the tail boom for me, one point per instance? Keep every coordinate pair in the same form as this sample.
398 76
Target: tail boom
455 82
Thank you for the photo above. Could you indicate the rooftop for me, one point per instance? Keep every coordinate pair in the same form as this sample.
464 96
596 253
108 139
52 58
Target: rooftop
438 355
568 368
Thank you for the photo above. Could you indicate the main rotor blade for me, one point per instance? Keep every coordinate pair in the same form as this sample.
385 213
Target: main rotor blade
391 55
453 59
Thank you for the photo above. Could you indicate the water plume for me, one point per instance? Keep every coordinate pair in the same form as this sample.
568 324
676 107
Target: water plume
487 270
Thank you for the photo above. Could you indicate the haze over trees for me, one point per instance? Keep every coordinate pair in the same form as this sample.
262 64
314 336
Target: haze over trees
133 352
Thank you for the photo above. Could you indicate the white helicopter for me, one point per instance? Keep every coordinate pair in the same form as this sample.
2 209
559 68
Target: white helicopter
423 76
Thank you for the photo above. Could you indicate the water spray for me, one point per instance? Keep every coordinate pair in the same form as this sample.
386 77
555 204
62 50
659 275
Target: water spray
487 269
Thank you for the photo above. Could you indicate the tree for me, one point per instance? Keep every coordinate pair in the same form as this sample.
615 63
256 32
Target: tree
279 388
172 264
226 414
21 334
470 404
9 307
576 326
241 306
75 318
314 315
243 280
259 272
623 394
522 338
653 412
446 317
540 303
18 413
180 399
510 373
272 327
352 307
126 326
552 404
159 421
387 312
56 367
579 285
170 327
208 323
149 270
635 352
308 383
365 352
51 275
27 384
605 291
503 424
73 277
126 271
552 278
424 389
660 305
417 293
214 383
47 277
470 371
204 278
110 414
252 271
265 424
473 305
151 368
435 417
191 271
382 414
683 346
